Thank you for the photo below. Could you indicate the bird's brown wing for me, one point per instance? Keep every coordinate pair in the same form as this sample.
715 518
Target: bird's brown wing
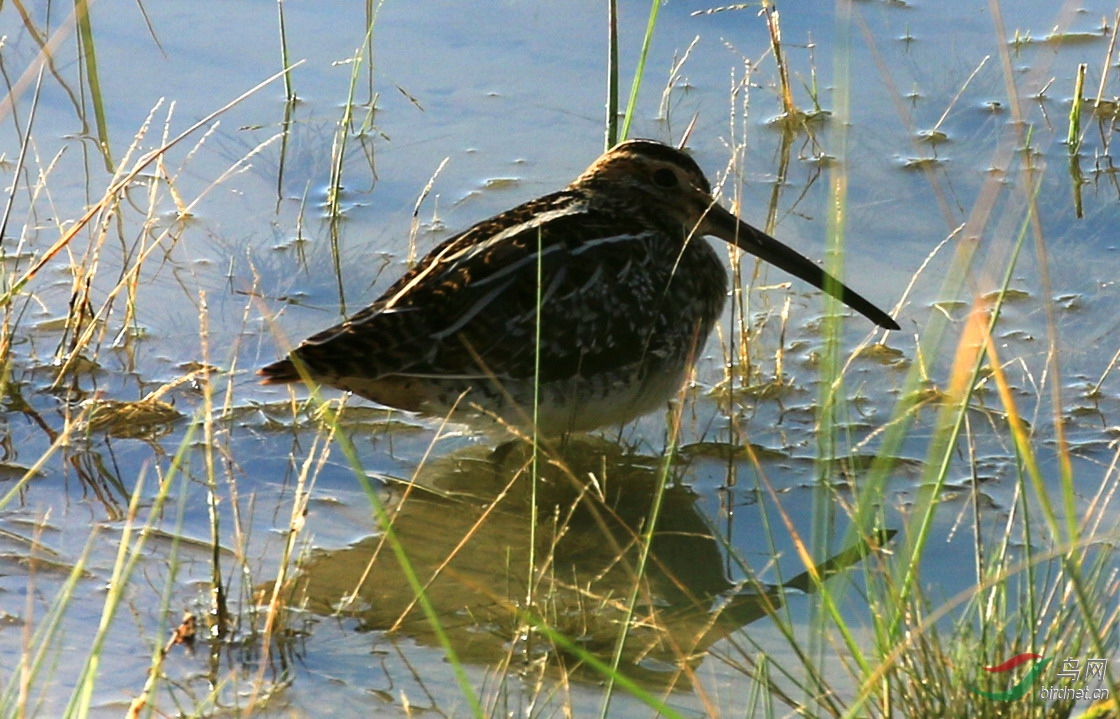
470 307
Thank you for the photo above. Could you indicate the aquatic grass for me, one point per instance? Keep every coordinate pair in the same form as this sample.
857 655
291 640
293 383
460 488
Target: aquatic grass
1073 136
86 50
12 316
49 41
285 61
132 541
274 624
290 102
219 612
24 687
1042 577
350 128
611 138
639 74
785 88
327 435
86 332
345 127
904 600
611 671
914 650
383 518
121 181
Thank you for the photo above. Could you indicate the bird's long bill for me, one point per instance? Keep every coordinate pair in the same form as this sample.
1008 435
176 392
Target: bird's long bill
730 228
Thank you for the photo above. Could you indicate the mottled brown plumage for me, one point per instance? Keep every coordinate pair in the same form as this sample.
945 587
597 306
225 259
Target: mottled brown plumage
628 293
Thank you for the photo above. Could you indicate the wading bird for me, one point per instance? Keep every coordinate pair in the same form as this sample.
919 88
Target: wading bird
582 308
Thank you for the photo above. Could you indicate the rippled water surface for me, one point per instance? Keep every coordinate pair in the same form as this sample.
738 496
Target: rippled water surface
131 414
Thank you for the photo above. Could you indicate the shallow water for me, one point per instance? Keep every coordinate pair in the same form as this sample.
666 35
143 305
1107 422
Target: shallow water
511 95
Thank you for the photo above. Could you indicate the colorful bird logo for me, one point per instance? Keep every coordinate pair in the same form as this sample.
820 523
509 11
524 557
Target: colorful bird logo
1022 686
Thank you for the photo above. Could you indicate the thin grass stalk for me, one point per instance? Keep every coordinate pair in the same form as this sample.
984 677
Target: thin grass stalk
15 699
17 172
89 57
120 184
289 104
342 134
764 488
128 556
289 90
414 225
632 103
219 610
143 699
1026 456
759 702
643 555
611 674
814 685
1073 135
49 52
301 493
282 157
992 606
483 517
996 616
1053 363
996 605
362 55
823 510
867 506
612 74
59 441
773 25
737 359
240 537
1106 66
10 316
372 10
813 88
130 275
951 424
338 161
384 520
530 588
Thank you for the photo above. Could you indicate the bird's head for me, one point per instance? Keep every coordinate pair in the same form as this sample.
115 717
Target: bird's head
649 174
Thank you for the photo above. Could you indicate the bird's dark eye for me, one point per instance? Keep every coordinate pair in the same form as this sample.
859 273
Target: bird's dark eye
665 178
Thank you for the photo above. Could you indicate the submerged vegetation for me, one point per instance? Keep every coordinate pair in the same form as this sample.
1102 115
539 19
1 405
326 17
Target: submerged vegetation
820 525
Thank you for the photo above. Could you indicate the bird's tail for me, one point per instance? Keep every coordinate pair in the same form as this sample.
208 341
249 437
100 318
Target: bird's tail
279 372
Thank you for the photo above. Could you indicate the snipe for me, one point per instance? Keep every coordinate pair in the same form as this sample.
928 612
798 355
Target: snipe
611 275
